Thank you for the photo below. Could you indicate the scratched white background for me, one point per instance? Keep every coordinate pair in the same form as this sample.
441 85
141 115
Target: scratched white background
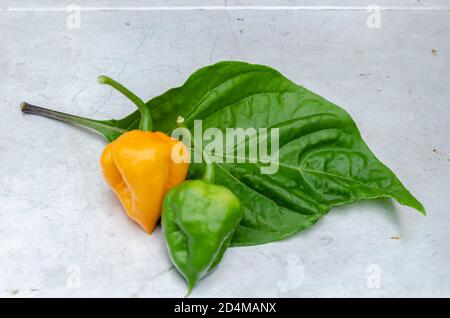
58 218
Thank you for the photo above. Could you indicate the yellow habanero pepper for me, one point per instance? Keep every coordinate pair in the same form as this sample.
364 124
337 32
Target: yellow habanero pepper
139 166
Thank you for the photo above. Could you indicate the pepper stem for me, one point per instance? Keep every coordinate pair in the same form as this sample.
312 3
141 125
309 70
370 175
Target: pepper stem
71 119
209 174
146 118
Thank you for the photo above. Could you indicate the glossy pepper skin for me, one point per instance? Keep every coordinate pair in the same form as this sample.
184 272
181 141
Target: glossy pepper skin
198 220
138 166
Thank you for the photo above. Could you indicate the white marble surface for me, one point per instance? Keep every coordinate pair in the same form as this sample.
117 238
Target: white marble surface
58 217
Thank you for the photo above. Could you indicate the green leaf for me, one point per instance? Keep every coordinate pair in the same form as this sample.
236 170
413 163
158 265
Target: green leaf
323 160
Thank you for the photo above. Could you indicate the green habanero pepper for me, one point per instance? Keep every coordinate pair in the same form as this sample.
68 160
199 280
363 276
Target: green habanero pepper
198 221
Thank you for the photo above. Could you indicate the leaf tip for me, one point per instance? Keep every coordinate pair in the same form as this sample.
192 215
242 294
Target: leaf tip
188 293
419 207
422 211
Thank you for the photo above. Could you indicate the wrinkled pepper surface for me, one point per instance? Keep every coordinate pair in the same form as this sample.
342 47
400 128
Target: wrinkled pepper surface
139 165
139 168
198 220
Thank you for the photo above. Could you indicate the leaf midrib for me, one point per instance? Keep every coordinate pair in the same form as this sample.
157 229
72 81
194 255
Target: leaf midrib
302 172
